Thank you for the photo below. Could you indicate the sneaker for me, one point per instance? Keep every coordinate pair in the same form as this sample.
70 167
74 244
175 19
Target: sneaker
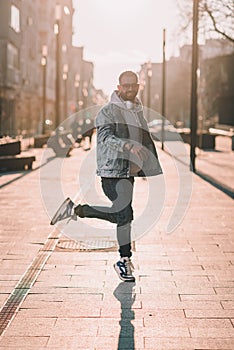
124 268
64 211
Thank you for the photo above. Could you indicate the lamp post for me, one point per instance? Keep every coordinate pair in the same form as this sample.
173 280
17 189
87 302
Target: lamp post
193 108
43 64
163 88
149 76
141 91
57 59
85 94
77 95
65 75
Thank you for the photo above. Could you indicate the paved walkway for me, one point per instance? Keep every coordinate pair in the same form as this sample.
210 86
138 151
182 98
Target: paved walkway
56 295
218 166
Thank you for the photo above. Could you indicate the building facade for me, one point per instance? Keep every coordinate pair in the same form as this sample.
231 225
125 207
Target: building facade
177 96
43 77
215 85
217 89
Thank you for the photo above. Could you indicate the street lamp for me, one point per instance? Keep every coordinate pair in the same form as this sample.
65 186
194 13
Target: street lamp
193 108
149 76
163 88
142 87
65 75
85 93
57 31
141 90
43 64
57 59
77 85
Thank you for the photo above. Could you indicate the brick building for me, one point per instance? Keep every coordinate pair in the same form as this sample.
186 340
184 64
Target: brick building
215 85
177 89
43 78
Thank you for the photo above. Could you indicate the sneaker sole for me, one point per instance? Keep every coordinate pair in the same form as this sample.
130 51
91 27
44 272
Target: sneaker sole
58 212
122 278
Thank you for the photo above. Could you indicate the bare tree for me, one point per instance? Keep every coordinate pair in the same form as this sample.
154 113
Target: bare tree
215 17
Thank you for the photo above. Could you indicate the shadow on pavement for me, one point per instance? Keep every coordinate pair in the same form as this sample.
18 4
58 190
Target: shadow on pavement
210 178
216 184
24 172
125 294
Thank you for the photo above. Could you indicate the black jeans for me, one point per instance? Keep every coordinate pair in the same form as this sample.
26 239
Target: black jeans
120 192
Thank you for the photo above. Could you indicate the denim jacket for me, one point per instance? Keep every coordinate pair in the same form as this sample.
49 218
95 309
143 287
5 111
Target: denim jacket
116 125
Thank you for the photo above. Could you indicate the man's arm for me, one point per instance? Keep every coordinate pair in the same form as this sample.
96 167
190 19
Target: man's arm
106 131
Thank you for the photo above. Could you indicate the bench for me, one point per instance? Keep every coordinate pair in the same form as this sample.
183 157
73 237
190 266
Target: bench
11 163
203 140
10 148
40 140
222 132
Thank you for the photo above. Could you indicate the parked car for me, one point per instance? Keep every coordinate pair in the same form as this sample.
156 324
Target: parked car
170 132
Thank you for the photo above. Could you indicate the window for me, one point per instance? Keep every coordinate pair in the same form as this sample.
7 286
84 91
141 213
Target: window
15 19
30 21
64 48
12 56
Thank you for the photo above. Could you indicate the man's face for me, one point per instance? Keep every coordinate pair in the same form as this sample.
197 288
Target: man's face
128 88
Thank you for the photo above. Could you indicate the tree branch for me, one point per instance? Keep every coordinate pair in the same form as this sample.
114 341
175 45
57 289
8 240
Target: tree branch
206 9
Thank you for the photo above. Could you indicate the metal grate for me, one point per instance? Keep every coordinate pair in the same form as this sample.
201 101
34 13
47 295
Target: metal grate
87 245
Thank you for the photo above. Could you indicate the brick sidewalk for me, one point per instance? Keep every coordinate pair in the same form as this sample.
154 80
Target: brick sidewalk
218 165
183 296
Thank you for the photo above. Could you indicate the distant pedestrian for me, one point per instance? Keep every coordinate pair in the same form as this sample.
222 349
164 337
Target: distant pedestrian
76 130
125 150
87 133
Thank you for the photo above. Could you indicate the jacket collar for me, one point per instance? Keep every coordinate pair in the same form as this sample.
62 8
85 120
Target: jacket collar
126 105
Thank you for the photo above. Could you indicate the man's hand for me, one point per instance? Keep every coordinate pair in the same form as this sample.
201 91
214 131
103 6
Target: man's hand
139 151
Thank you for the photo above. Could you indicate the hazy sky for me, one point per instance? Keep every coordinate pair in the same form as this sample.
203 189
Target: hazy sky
123 34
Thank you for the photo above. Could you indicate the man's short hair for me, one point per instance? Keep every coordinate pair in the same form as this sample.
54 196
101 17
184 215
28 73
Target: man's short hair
129 73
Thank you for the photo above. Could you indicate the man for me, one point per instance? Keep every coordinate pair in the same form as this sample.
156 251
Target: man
124 150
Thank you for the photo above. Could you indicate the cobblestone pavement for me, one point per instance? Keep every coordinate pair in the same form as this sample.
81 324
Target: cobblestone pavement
55 295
